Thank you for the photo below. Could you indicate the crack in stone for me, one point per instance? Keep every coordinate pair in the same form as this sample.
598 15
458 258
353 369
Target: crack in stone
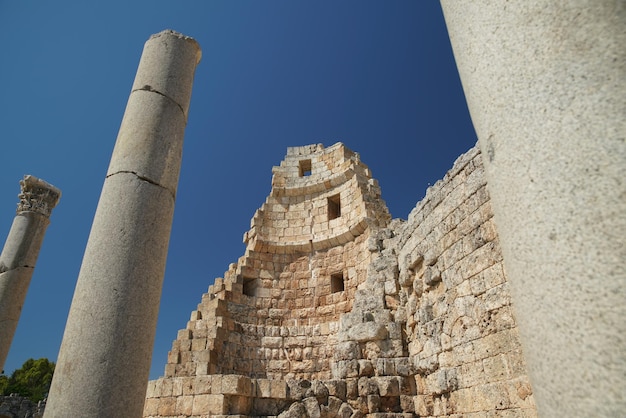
5 269
150 89
146 179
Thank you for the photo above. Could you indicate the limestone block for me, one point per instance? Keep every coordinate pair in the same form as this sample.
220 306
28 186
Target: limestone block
184 405
373 403
167 406
490 345
462 401
367 331
387 385
278 389
236 385
366 368
491 396
206 384
336 388
442 381
352 387
387 366
339 369
209 404
320 391
312 407
431 276
351 367
497 297
272 342
424 405
299 389
407 405
296 410
347 350
367 386
391 287
495 368
332 408
369 300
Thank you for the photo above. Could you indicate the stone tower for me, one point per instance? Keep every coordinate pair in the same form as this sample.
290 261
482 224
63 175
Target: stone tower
336 310
274 316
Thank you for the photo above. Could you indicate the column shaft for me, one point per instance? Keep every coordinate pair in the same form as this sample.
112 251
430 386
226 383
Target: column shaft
104 361
544 82
20 253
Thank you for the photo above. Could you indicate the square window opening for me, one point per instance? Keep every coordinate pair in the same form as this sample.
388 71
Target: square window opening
336 282
334 207
249 286
305 168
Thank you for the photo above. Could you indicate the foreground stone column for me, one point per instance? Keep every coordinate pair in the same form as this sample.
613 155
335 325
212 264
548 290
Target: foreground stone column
104 360
20 252
545 85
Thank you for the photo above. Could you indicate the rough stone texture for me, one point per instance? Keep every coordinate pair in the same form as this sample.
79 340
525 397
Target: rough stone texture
462 336
15 406
544 82
104 360
20 252
421 324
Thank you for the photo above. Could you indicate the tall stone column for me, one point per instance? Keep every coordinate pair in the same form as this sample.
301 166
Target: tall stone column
19 255
104 360
545 85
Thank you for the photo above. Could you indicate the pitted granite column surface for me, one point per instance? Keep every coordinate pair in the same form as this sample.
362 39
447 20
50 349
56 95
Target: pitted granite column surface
545 85
20 252
104 360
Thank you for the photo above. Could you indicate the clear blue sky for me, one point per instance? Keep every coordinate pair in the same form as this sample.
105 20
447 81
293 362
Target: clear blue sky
378 76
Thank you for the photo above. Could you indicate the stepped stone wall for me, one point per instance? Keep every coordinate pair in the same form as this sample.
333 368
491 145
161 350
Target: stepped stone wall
337 310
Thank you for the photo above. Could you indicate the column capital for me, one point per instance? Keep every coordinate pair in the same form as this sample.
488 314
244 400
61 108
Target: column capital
37 196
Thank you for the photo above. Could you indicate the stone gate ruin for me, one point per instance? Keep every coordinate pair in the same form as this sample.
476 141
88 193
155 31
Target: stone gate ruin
337 310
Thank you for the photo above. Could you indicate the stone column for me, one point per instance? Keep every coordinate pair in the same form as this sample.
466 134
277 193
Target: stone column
104 360
545 85
20 252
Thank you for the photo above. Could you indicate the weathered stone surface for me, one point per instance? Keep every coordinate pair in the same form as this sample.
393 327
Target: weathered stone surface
367 331
296 410
19 407
422 325
547 103
112 321
20 252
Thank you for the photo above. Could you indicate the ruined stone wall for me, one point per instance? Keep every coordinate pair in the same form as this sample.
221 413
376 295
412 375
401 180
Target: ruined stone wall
347 314
461 332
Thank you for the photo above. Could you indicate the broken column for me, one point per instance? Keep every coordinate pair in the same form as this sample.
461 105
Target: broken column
105 356
544 82
19 255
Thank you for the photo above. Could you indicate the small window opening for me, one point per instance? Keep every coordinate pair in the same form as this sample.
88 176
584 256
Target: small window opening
305 168
249 286
336 282
334 207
